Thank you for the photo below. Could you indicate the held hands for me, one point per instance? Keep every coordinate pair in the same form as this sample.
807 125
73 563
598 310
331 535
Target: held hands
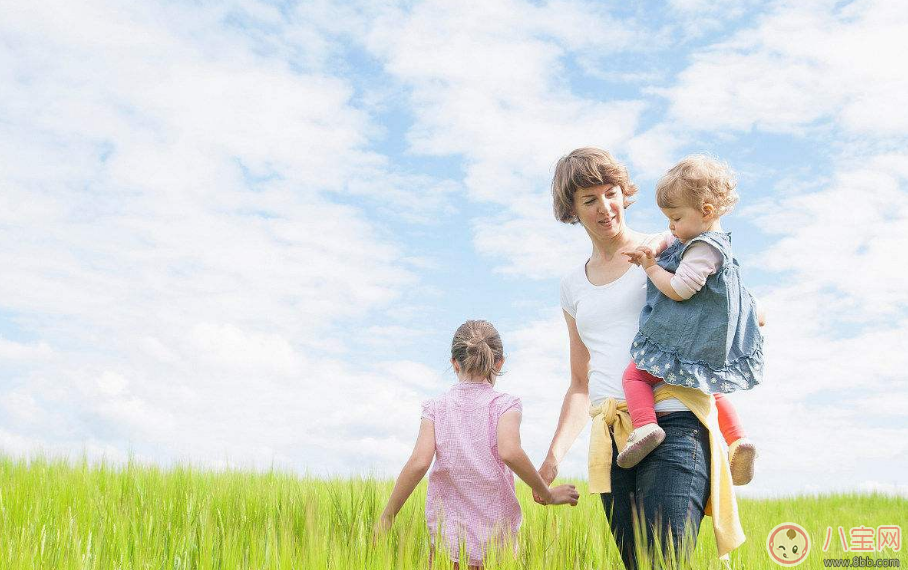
643 256
548 472
560 495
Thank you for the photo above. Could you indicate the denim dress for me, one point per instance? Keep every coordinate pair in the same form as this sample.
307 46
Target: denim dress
711 341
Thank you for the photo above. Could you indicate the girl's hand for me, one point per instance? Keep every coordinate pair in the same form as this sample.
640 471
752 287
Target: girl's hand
643 256
382 525
564 495
548 471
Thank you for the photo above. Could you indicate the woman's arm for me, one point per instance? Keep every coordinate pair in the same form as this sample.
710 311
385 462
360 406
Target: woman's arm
574 409
411 474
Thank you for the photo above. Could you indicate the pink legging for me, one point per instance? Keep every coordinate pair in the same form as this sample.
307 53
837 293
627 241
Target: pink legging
638 389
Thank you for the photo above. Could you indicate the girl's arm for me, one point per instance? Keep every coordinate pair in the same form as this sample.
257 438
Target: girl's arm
411 474
662 279
574 409
699 262
513 455
659 243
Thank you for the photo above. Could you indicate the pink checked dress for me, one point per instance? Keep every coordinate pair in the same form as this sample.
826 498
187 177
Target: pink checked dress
471 496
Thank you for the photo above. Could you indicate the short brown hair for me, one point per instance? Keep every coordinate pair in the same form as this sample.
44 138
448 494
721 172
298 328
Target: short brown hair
477 348
696 180
584 168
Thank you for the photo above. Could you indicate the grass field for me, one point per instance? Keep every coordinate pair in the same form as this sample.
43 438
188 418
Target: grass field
60 515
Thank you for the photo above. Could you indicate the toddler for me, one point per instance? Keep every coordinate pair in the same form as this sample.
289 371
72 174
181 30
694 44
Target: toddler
700 326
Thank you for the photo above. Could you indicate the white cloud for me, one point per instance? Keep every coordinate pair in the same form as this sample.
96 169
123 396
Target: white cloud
531 244
498 97
654 151
695 18
841 238
173 241
803 63
18 351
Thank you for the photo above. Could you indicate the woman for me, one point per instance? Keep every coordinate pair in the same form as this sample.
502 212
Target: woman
602 300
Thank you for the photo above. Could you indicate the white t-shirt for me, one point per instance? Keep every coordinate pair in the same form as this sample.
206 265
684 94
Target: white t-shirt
607 318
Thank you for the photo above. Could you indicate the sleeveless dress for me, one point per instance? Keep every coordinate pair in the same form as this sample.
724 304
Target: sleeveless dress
711 341
471 498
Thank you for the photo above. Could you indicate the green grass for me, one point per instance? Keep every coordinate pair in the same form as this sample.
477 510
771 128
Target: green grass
60 515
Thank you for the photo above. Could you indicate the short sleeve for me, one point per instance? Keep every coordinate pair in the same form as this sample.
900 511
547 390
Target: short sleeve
506 403
428 410
567 302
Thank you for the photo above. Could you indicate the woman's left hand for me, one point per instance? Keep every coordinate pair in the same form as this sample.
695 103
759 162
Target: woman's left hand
548 471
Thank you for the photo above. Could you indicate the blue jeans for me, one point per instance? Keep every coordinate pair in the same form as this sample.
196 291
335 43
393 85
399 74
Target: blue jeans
669 488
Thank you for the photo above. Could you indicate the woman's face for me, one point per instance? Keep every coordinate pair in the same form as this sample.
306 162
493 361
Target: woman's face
600 210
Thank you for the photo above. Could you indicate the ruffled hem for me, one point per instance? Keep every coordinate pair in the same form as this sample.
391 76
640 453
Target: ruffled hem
742 374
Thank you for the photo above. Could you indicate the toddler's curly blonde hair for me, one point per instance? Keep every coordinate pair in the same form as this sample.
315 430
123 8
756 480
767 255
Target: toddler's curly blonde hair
697 180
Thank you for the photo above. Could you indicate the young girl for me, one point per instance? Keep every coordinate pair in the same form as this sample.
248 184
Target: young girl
474 433
700 326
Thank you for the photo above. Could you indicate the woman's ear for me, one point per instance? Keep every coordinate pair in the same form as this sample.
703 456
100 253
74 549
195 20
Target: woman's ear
499 364
455 365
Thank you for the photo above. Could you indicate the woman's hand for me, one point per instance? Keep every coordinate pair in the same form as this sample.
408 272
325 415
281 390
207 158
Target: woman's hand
548 471
643 256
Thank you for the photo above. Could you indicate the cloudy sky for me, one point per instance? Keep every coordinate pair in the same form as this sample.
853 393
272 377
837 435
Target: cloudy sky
242 233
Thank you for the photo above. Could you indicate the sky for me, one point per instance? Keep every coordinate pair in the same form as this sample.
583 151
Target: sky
241 234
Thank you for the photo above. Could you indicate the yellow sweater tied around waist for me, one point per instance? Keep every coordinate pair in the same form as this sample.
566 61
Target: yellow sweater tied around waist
721 506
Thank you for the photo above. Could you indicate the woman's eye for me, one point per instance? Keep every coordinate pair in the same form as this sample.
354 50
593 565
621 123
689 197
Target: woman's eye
589 202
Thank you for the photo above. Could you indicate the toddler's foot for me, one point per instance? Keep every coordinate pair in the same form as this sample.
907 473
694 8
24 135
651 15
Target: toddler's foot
641 441
742 454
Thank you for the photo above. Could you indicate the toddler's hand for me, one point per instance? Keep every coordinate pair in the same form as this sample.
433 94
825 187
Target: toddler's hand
564 495
643 256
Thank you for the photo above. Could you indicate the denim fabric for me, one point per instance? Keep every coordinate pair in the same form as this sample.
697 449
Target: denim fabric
711 341
670 487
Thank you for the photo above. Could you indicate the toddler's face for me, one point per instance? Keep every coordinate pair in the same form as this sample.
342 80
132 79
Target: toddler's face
686 222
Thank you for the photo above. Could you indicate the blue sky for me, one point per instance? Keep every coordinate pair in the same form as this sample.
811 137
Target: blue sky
242 233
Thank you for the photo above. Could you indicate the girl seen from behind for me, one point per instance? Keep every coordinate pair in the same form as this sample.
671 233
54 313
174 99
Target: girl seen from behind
473 433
